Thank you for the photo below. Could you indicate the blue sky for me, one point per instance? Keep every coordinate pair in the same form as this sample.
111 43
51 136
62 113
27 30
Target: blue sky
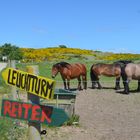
106 25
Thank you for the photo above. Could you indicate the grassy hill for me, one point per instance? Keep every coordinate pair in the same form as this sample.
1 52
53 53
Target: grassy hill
72 54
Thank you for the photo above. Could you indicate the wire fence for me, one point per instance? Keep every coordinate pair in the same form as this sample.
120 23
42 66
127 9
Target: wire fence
88 81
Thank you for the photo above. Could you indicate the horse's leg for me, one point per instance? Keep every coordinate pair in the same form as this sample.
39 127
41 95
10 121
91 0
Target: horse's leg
79 83
138 89
84 78
68 84
126 84
99 85
127 87
117 85
93 77
64 81
93 84
125 80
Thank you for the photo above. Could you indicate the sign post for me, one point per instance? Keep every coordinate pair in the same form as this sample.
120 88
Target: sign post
48 115
36 87
12 63
34 127
34 84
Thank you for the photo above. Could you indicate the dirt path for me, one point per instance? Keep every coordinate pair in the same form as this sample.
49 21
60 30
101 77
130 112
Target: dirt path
104 115
109 115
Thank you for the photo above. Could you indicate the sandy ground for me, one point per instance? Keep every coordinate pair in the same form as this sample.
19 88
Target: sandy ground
104 115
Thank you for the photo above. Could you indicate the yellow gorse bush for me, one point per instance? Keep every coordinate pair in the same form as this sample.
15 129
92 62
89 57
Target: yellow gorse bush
58 53
112 57
52 53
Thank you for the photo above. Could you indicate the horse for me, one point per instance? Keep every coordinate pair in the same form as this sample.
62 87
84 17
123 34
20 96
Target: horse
129 72
70 71
110 70
122 63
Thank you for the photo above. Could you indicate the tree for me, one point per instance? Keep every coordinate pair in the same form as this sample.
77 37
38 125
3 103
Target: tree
11 51
62 46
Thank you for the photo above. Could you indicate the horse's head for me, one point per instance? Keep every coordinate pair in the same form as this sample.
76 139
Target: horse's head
55 70
58 67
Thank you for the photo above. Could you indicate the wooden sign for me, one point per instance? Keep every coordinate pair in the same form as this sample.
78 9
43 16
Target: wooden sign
33 113
37 85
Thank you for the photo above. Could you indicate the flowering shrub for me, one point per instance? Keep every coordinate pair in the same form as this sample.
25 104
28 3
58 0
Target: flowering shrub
112 57
60 53
38 55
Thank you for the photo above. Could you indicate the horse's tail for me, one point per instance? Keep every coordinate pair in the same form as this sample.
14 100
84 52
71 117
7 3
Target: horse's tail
93 76
125 80
123 73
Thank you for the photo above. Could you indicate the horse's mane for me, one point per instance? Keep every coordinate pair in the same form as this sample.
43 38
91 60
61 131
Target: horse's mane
62 64
123 62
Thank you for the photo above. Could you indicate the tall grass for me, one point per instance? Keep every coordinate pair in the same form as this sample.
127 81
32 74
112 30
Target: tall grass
9 130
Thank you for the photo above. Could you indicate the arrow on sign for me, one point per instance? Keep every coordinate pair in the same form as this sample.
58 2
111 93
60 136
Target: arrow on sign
37 85
33 112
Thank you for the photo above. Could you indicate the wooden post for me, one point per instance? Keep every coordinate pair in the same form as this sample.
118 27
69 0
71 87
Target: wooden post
34 127
12 64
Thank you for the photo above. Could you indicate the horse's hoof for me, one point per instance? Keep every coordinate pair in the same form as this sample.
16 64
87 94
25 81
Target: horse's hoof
117 88
138 90
99 87
126 92
80 89
85 87
93 87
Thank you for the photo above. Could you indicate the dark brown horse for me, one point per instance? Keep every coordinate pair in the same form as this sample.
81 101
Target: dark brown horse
71 71
110 70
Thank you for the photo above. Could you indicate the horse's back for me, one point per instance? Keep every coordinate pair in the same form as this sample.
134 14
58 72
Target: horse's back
76 70
107 69
80 67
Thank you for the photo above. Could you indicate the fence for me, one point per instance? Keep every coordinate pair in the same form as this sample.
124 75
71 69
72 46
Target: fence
63 99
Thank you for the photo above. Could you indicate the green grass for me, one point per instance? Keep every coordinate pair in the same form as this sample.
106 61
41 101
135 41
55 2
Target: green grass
46 66
45 71
73 120
9 130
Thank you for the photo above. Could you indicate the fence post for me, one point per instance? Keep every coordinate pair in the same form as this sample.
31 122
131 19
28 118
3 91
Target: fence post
12 64
34 127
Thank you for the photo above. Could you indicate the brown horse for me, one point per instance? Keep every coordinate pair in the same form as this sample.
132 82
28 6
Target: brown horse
110 70
129 72
71 71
